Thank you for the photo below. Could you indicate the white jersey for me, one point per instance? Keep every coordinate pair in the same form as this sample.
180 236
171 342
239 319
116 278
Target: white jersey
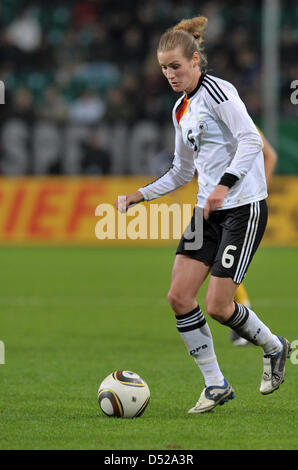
214 135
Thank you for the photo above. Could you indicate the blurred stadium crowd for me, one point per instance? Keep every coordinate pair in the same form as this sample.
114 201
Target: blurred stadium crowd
92 63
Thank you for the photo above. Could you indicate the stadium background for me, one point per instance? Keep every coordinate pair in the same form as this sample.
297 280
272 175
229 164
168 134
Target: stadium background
87 112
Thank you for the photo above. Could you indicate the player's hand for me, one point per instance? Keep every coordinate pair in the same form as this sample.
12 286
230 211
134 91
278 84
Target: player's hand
215 200
124 202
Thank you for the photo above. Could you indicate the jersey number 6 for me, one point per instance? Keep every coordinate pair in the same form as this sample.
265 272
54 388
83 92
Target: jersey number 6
227 260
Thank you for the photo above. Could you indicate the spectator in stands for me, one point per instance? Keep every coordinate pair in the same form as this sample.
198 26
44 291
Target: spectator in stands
25 32
53 106
118 107
23 105
95 160
23 39
88 109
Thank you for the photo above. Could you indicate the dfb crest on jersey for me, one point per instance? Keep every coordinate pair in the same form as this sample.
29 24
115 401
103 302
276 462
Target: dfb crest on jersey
193 136
202 127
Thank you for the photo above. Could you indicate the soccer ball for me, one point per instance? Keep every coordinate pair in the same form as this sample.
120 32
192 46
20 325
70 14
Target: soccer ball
123 394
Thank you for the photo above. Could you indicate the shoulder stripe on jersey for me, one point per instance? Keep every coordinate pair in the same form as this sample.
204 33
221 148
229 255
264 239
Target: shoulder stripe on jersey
209 79
210 93
220 97
218 94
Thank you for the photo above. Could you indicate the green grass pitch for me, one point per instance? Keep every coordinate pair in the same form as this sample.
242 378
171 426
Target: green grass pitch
71 316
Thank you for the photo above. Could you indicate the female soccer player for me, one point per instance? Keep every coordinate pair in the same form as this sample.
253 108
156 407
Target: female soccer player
216 136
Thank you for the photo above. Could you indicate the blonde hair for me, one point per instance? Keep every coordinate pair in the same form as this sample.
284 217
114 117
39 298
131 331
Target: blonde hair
187 34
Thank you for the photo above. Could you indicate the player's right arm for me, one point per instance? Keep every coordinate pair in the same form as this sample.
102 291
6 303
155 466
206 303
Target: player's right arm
122 203
180 173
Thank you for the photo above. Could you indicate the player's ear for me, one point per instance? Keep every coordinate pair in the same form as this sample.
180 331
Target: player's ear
195 59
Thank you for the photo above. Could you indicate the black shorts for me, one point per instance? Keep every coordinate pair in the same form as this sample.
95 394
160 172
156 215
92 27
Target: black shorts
230 239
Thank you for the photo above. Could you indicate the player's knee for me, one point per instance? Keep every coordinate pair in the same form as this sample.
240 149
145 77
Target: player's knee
177 300
215 309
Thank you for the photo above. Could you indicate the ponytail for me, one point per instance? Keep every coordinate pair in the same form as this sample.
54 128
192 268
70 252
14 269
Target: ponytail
194 26
188 35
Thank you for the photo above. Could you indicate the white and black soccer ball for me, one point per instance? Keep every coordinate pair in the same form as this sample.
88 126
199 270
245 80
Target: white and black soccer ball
123 394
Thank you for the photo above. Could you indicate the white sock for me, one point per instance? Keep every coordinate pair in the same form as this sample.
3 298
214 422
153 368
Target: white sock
197 337
248 325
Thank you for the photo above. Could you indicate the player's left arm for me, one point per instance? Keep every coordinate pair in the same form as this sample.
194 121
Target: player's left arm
233 113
